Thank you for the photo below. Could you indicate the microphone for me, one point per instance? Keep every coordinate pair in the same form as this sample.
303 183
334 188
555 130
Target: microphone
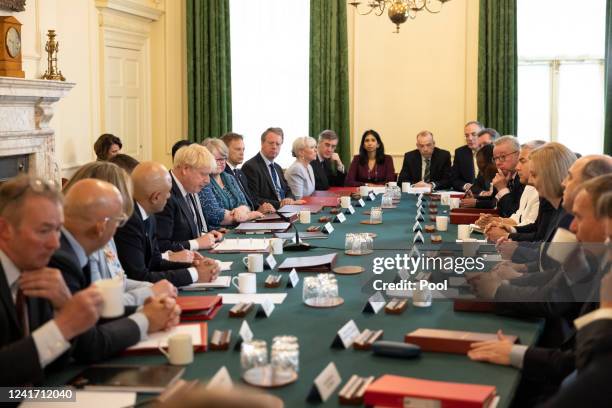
298 245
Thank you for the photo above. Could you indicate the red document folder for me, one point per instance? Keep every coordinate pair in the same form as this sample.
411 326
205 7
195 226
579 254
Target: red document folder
199 307
449 341
395 391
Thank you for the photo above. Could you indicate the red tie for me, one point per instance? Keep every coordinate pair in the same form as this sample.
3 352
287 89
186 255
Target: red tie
22 312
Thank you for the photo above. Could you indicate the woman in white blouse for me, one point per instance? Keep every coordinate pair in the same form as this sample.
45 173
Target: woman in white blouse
299 175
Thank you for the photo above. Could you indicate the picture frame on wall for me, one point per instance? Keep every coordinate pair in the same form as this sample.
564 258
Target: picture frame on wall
12 5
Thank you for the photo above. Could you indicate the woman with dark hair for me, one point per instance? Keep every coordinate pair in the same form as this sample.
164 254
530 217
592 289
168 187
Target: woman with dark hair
107 146
372 166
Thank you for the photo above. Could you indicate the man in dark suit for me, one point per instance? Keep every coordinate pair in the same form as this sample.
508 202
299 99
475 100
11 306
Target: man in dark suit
93 211
136 241
327 167
464 169
235 157
38 315
427 165
181 224
264 176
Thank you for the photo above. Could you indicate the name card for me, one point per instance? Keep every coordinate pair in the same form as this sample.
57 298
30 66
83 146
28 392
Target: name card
340 218
220 381
417 227
325 384
419 217
403 274
293 279
414 252
271 261
350 210
371 196
418 238
265 308
346 335
420 210
245 334
361 203
419 202
375 303
328 228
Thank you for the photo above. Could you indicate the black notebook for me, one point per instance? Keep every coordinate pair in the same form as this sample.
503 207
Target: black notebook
146 379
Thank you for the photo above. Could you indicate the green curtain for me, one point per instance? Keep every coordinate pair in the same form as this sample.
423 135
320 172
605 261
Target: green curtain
209 88
608 82
329 83
498 66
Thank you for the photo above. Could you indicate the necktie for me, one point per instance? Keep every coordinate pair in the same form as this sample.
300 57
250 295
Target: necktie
279 190
147 225
94 268
196 213
427 175
22 312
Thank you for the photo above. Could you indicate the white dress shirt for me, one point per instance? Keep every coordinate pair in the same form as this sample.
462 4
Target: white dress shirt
529 206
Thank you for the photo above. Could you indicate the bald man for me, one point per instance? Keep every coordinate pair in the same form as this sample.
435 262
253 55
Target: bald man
137 243
92 212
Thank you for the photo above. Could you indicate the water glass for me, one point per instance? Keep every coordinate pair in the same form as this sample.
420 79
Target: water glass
285 354
310 288
349 242
253 354
387 200
375 215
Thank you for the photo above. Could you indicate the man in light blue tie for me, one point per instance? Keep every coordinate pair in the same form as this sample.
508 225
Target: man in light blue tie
264 176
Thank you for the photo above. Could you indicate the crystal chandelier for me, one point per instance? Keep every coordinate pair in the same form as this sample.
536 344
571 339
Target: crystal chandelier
399 10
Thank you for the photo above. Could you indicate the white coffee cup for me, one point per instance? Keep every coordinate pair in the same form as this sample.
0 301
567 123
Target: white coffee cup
277 246
463 232
180 349
405 187
305 217
253 262
345 201
112 294
392 184
246 283
454 202
442 223
364 190
445 198
421 297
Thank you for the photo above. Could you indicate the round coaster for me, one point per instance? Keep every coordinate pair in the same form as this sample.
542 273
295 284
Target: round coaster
266 377
324 303
358 253
368 222
348 270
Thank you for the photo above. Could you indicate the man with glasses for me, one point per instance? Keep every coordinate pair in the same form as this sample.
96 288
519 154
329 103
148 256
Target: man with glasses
93 211
38 315
327 167
465 170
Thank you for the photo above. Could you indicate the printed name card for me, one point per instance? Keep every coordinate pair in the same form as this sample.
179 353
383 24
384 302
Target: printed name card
328 228
325 384
340 218
419 217
361 203
220 381
293 279
418 238
265 308
350 210
271 261
417 227
346 335
375 303
372 196
245 334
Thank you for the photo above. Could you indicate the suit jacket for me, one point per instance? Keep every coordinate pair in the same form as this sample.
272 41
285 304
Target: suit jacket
175 223
439 168
325 176
243 183
104 340
259 180
301 180
140 256
510 202
463 170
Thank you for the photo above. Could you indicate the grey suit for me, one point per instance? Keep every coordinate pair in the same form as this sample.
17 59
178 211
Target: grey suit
301 179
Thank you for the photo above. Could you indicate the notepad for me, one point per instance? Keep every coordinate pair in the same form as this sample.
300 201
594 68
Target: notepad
320 263
220 282
257 298
197 331
256 245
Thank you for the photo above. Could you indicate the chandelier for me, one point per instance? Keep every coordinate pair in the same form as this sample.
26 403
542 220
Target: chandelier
399 10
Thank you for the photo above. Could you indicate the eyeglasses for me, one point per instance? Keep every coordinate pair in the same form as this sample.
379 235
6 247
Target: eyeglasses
221 159
503 157
121 220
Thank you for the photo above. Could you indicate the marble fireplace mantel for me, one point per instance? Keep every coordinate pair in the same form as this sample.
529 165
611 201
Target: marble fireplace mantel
26 108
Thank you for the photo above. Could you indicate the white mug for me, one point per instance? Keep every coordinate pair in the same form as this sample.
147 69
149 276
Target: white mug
392 184
305 217
345 201
246 283
454 202
180 349
463 232
442 223
253 262
445 198
364 191
405 187
421 297
112 294
276 244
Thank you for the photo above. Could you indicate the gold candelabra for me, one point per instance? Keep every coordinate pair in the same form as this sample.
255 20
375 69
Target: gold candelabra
52 48
399 10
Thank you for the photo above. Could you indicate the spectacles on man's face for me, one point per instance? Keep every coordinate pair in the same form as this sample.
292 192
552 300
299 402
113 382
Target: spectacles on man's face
502 158
121 220
220 159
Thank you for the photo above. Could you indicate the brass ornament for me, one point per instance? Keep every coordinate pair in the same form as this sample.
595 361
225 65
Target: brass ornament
52 48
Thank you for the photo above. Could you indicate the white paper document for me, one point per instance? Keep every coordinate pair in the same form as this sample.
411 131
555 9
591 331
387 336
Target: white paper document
90 399
225 266
158 339
220 282
257 298
243 245
418 190
306 261
262 226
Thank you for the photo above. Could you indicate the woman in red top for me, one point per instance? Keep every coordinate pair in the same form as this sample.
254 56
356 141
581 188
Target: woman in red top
371 166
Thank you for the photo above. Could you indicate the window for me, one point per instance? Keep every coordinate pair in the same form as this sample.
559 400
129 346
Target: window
270 70
561 47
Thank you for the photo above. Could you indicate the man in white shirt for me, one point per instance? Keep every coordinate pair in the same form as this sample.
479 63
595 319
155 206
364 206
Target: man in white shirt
38 315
